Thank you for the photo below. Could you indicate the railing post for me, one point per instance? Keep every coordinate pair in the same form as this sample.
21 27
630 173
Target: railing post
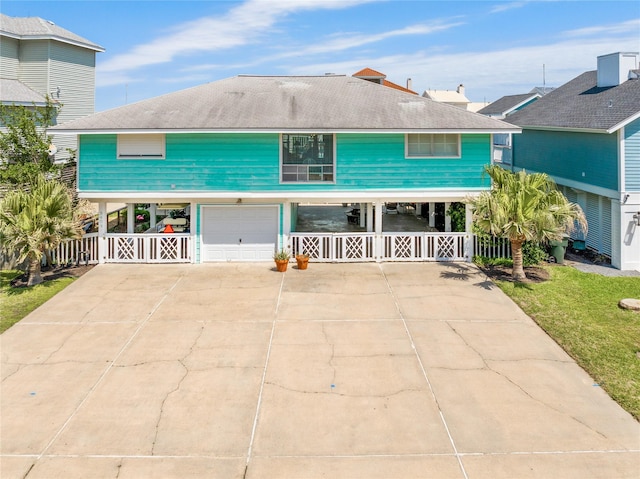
378 239
103 221
468 226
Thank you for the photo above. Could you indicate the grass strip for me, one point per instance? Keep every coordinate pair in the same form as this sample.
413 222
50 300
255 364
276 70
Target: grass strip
580 312
16 303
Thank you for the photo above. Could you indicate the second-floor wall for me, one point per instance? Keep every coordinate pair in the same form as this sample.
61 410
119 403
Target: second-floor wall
587 158
233 162
632 156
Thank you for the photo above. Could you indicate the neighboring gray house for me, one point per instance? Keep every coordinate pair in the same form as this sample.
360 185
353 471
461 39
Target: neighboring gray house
586 136
39 58
500 109
509 104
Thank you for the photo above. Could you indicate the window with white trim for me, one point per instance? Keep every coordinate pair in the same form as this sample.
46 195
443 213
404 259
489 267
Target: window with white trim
141 147
433 145
307 158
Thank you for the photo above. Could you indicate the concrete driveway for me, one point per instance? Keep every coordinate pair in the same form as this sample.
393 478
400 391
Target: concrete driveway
341 371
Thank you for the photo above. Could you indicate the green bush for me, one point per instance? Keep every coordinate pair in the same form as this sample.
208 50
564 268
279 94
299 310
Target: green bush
533 253
457 213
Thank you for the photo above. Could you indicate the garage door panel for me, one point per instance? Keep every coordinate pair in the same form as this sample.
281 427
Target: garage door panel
242 233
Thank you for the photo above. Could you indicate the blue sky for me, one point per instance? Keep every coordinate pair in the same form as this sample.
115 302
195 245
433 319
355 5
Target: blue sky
494 48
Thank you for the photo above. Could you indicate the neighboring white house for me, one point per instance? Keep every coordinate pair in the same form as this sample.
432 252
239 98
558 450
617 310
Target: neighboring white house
39 58
455 98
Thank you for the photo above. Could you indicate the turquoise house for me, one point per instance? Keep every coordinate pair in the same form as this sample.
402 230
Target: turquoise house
586 136
240 154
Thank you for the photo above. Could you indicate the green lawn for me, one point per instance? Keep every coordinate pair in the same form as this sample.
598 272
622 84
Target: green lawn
16 303
580 311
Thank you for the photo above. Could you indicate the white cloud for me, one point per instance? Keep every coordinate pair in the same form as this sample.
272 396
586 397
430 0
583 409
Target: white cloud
485 74
504 6
242 25
630 26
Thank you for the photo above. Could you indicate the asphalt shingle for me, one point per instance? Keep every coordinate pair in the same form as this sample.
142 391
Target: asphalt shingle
288 103
581 104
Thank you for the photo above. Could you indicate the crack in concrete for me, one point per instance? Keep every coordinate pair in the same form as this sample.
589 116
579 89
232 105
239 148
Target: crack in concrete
333 350
334 393
20 367
177 388
521 388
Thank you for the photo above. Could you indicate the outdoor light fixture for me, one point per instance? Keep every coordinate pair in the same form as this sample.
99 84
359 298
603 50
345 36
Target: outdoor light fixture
636 218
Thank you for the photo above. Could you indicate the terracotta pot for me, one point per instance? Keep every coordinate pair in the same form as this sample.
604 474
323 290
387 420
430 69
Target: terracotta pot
303 261
281 265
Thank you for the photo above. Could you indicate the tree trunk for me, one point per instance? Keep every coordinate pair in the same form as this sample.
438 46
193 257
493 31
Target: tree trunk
518 269
35 276
48 258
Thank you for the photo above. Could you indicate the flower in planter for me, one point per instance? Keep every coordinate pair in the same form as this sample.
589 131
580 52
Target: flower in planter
140 218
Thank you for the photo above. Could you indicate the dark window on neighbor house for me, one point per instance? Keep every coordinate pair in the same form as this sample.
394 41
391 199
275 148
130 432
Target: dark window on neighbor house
439 145
307 158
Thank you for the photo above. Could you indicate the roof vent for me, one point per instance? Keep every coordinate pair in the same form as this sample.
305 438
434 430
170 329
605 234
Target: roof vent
614 68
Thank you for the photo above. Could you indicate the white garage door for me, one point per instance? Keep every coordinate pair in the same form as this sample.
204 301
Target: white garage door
239 233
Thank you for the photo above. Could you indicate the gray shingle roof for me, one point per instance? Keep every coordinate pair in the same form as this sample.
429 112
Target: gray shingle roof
16 92
25 28
291 103
580 104
506 103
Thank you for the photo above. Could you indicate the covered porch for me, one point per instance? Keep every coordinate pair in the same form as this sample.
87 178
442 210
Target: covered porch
327 232
379 231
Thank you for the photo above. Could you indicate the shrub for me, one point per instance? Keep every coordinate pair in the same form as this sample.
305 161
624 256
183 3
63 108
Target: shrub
533 253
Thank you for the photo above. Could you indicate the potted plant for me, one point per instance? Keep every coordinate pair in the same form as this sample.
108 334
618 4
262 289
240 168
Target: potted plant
282 260
303 260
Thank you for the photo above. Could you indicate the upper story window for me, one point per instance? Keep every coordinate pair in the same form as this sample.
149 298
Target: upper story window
141 147
308 157
502 139
433 145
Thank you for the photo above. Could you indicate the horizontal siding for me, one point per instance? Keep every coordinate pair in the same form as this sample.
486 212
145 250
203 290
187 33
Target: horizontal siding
568 155
72 69
370 161
34 65
197 162
632 156
241 162
9 58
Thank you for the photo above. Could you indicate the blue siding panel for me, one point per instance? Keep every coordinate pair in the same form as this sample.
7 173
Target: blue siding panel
632 156
250 162
568 155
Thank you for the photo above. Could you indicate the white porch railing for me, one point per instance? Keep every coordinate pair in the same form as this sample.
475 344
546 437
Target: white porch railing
83 250
358 247
492 247
321 247
148 248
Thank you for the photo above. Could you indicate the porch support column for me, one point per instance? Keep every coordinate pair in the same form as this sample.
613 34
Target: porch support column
194 219
363 209
432 214
152 215
286 225
103 220
377 239
131 217
369 217
469 237
447 218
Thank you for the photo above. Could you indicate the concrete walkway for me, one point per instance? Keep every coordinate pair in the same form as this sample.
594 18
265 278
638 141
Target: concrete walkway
341 371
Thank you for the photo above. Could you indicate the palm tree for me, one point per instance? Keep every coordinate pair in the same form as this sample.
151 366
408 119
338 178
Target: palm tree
524 207
35 221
